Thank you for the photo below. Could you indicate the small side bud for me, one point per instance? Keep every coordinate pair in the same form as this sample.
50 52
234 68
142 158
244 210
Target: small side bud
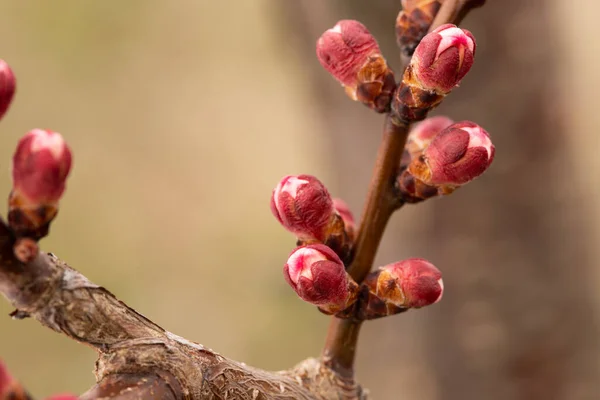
41 164
63 397
413 22
422 133
318 276
443 58
439 63
457 155
344 212
411 283
303 206
352 56
7 87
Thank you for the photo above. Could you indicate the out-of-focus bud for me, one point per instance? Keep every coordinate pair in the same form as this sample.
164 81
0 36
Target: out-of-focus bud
411 283
318 276
41 165
10 388
443 58
344 212
413 23
457 155
351 55
439 63
303 206
7 87
63 397
421 134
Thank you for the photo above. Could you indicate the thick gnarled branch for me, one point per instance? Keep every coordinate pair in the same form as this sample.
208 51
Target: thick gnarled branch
138 357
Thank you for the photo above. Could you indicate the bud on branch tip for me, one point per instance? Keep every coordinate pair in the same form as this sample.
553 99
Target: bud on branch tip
317 275
7 87
41 165
303 206
443 58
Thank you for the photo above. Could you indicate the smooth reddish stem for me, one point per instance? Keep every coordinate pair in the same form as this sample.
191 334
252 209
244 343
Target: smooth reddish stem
342 337
340 346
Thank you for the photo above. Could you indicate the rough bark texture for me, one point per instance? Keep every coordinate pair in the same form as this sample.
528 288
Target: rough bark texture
137 358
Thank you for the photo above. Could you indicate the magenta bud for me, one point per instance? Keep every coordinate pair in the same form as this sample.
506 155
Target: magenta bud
303 206
63 397
443 58
344 212
420 281
317 275
457 155
344 49
41 165
422 133
7 87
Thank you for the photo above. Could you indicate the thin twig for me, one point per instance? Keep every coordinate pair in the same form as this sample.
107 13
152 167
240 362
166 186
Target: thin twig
342 337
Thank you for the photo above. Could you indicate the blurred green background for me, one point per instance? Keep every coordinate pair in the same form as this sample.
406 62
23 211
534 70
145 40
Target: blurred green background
183 115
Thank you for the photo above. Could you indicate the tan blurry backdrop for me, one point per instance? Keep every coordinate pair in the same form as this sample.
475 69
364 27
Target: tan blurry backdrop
182 116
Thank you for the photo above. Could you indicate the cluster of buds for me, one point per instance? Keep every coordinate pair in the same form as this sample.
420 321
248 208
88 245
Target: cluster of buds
41 164
413 22
351 55
441 156
11 389
397 287
303 206
438 64
319 277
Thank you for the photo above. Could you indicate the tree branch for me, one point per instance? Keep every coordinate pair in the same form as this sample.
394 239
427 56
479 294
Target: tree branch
342 337
138 357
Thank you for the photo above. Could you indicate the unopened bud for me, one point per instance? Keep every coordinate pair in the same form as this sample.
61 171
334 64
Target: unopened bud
318 276
41 165
457 155
413 23
422 133
303 206
411 283
443 58
7 87
351 55
10 388
63 397
344 212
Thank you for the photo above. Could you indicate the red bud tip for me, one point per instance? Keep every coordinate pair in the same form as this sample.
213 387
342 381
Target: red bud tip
421 282
422 133
63 397
457 155
344 211
443 58
317 275
41 165
303 206
5 379
344 49
7 87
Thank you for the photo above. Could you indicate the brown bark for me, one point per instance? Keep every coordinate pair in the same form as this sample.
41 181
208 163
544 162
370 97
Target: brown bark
137 358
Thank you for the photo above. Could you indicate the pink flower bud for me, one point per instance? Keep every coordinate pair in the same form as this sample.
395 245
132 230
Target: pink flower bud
41 164
7 87
344 211
443 58
317 275
62 397
422 133
303 206
344 49
457 155
419 281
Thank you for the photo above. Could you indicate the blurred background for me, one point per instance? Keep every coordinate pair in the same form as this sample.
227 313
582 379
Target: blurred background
182 117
